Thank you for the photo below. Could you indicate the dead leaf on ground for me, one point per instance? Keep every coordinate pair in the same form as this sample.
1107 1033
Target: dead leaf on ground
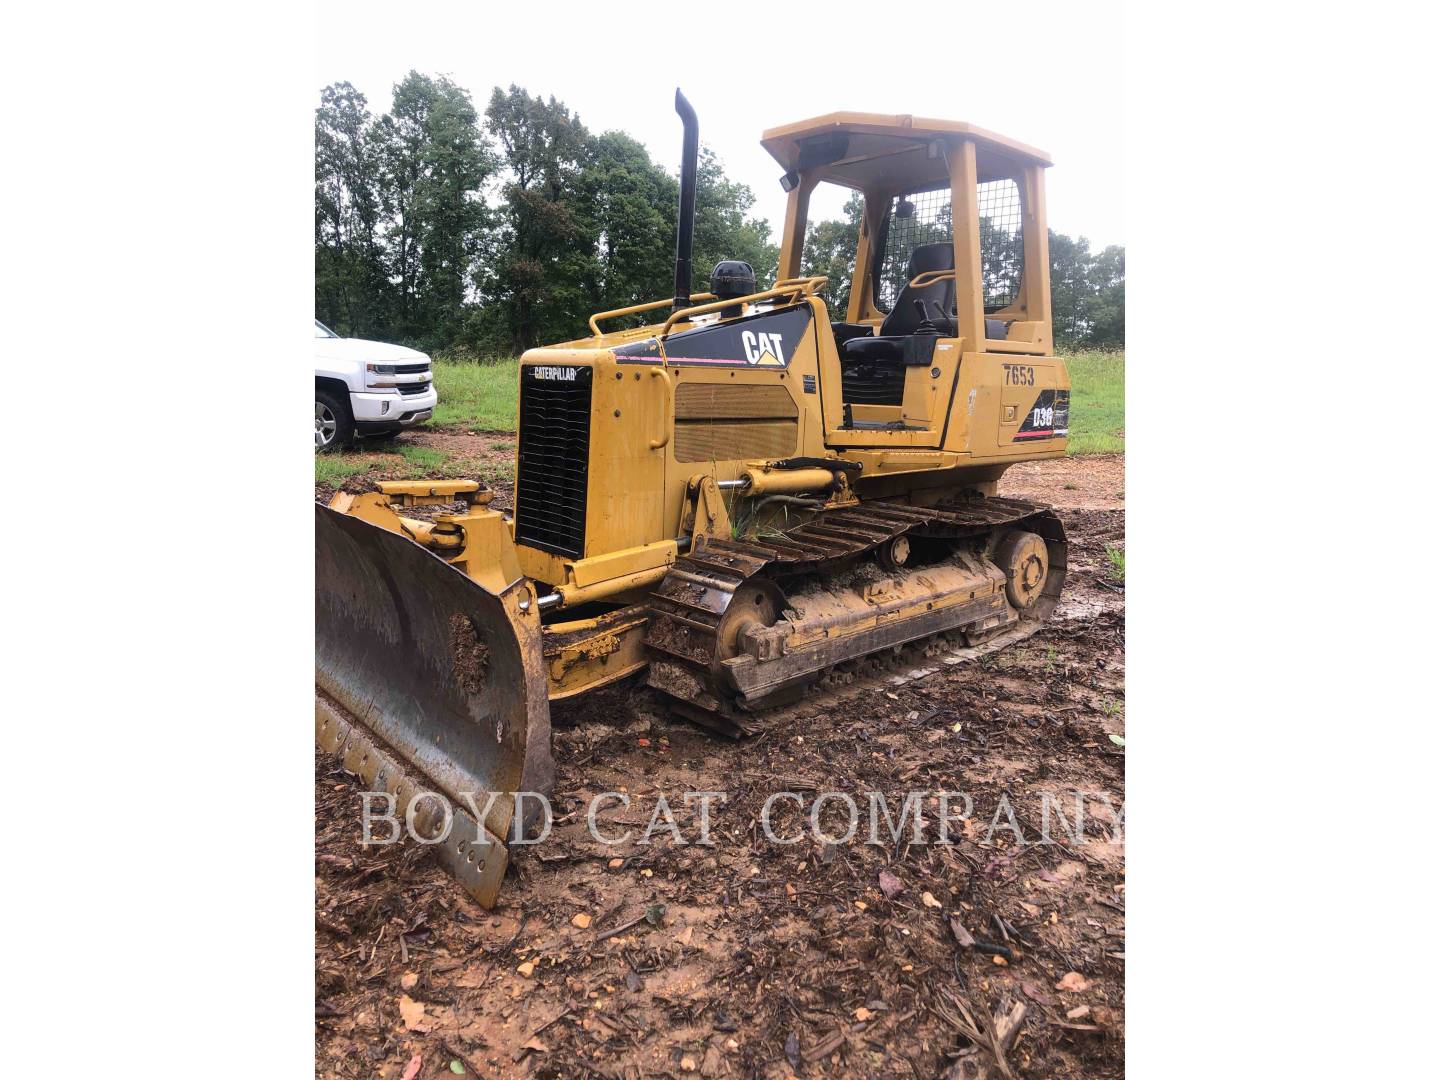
889 884
862 1014
1073 981
582 921
963 936
527 968
413 1069
928 899
408 980
1034 993
1078 1012
412 1012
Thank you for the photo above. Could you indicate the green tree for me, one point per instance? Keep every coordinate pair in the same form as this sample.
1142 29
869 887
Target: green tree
408 249
630 211
830 250
538 273
435 162
1069 288
1002 263
1087 293
1107 299
350 280
723 229
589 223
913 222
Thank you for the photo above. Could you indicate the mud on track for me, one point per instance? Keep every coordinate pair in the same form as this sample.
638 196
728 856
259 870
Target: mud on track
774 960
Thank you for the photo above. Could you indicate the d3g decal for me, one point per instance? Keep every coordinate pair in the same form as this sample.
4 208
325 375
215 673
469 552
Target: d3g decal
1048 418
768 339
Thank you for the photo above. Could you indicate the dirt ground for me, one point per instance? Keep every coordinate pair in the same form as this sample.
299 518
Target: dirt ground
760 959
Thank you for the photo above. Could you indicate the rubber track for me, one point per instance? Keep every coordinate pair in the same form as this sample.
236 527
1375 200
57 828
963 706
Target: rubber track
688 604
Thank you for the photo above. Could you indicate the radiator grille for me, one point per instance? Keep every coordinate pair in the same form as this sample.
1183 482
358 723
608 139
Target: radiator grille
413 388
554 468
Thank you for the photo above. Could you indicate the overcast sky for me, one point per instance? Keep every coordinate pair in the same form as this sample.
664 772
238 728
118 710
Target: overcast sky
1046 74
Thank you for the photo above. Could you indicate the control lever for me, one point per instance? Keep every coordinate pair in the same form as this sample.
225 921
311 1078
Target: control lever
946 323
926 326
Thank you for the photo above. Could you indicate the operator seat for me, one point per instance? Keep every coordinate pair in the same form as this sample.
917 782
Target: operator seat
904 319
872 369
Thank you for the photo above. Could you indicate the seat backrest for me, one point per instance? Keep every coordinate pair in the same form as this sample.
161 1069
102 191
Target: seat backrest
903 318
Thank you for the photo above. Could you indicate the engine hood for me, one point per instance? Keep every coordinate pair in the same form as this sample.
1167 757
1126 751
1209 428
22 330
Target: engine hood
360 351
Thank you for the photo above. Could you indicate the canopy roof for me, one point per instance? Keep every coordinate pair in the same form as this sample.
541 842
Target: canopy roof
873 150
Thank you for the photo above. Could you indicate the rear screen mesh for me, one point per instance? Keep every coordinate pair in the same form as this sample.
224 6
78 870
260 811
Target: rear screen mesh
923 217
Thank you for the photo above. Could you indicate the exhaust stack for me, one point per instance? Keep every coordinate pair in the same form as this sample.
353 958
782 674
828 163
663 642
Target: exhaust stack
685 226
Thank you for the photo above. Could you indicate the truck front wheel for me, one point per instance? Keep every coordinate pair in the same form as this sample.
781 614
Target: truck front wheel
334 427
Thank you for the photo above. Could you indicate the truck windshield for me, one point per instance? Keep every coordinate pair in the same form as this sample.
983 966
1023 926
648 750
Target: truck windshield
323 331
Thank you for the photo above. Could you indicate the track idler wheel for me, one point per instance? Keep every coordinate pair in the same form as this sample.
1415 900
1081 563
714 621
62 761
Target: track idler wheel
894 553
1023 558
755 605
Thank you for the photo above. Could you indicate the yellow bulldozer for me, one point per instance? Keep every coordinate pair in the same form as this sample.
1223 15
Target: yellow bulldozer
732 501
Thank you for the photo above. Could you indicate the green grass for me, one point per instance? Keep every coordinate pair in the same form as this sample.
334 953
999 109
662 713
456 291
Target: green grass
422 458
476 395
1117 563
398 459
332 469
1097 402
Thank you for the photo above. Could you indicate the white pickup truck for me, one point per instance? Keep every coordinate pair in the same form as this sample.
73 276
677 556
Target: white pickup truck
367 388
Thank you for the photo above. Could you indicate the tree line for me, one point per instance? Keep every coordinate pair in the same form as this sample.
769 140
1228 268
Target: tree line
444 228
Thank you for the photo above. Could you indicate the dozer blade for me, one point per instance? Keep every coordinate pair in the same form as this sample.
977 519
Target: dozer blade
428 681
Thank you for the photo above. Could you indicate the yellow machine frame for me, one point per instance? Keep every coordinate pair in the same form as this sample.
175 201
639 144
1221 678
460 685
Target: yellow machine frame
668 441
661 470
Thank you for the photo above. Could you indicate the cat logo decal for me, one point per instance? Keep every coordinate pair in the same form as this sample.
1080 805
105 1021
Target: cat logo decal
763 349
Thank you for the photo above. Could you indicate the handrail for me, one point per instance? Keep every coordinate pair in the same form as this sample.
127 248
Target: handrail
798 287
814 282
667 408
930 277
636 309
